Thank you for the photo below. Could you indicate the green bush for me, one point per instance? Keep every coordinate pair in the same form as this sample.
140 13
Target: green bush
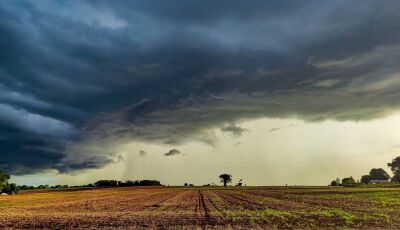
10 189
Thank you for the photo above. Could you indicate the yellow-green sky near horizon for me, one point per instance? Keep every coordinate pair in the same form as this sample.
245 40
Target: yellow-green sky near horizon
270 152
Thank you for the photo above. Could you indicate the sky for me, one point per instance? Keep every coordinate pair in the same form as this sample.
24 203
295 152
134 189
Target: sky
272 92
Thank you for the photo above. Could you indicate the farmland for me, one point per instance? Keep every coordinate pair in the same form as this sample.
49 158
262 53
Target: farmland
203 207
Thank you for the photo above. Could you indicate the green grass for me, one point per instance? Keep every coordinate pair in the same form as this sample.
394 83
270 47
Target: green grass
382 198
273 213
378 217
338 213
257 215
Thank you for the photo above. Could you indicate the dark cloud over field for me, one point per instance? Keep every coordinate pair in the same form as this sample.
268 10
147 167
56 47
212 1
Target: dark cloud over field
75 75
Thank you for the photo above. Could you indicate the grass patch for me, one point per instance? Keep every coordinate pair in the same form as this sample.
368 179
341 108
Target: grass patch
381 198
273 213
384 198
338 213
378 217
257 215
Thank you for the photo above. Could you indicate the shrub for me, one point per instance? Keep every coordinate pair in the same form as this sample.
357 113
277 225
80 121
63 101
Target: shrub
10 189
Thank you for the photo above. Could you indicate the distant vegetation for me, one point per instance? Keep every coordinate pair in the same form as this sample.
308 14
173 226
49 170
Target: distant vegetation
395 167
6 187
12 188
375 176
100 183
114 183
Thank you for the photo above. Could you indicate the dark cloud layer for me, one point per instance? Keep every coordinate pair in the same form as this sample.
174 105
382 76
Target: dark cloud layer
78 76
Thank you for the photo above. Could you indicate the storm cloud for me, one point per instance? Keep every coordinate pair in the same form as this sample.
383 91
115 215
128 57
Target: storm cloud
79 76
234 130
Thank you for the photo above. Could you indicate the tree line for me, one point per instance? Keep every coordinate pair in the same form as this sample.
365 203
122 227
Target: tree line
100 183
12 188
375 175
115 183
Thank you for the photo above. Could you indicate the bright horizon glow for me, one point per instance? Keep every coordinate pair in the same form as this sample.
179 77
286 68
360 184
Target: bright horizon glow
299 153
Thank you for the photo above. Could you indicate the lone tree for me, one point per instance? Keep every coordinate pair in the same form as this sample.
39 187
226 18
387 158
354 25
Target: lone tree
378 174
395 167
225 178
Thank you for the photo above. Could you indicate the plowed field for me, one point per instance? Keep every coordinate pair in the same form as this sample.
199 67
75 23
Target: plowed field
203 207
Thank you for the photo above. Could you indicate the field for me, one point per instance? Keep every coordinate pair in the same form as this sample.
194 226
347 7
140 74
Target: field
204 207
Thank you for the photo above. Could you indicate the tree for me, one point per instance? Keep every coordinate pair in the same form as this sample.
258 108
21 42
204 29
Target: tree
5 186
396 178
3 180
395 167
11 188
225 178
365 179
348 180
106 183
334 183
378 174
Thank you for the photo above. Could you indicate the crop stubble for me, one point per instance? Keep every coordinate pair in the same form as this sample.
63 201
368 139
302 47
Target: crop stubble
203 207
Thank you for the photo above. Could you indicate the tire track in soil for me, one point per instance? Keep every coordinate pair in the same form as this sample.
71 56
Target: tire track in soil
156 205
278 202
151 207
251 204
202 208
215 205
221 217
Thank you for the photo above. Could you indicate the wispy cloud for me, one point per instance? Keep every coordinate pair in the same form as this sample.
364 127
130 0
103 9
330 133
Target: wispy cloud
280 128
234 130
172 152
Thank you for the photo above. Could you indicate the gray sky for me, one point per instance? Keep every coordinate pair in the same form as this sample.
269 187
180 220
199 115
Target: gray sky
270 91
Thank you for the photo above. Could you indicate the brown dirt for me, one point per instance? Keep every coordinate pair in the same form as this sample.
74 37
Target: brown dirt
202 207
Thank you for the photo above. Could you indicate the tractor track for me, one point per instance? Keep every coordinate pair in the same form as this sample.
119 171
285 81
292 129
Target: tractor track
151 207
215 206
252 204
202 208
